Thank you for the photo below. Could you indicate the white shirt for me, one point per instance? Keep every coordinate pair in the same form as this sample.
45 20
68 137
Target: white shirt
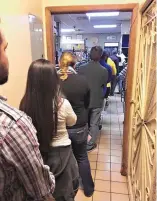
123 57
66 117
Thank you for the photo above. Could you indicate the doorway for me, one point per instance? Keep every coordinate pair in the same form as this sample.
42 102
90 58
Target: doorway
134 8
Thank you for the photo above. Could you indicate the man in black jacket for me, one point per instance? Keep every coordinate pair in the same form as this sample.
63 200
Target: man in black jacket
97 77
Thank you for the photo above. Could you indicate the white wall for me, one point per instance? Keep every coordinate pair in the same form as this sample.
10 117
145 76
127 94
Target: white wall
125 27
36 33
100 38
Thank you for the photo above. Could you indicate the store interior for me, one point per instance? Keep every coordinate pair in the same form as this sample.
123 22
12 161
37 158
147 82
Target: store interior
78 33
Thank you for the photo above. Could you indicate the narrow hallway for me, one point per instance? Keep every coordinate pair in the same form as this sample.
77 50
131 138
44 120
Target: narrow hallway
106 159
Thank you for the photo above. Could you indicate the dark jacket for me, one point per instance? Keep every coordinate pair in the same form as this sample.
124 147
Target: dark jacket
97 77
76 90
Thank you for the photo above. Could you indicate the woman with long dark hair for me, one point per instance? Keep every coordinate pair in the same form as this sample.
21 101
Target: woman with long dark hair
51 114
76 90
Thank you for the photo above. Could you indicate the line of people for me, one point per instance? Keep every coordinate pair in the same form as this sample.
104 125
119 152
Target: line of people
45 157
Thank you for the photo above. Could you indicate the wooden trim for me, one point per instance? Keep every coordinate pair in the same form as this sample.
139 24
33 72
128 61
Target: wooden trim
146 5
91 8
49 34
131 71
76 9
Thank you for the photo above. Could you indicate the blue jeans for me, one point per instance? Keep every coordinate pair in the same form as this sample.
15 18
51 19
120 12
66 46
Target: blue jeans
79 145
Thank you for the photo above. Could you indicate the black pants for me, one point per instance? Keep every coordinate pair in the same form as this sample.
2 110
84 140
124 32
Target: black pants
79 146
107 92
113 85
64 166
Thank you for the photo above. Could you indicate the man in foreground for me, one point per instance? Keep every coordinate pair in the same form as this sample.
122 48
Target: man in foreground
97 77
23 176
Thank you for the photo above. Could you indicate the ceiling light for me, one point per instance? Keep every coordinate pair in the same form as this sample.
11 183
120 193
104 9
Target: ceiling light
105 26
67 30
103 14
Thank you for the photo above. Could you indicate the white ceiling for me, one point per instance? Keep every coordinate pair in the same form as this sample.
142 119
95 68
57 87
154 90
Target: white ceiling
85 25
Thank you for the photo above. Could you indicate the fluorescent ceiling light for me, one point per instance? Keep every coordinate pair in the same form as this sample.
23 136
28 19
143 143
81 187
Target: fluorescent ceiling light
103 14
67 30
105 26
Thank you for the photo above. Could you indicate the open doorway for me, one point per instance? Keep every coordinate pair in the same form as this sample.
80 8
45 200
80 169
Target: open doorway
112 40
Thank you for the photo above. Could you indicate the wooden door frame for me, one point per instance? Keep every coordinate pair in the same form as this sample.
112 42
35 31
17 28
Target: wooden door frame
134 8
49 11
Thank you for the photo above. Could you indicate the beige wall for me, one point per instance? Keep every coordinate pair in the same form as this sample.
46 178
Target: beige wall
14 17
14 22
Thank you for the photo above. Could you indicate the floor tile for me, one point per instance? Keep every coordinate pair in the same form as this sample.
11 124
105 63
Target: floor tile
116 159
116 153
104 141
117 147
116 176
93 165
105 132
92 157
115 132
103 166
104 146
116 142
119 197
104 136
101 196
95 151
115 137
81 197
106 128
115 167
93 173
103 158
103 186
118 187
105 152
103 175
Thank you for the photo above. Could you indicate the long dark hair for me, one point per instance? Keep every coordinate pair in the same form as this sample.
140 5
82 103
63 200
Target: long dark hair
41 100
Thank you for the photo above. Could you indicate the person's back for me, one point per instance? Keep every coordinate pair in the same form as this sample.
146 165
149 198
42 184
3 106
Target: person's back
18 151
51 114
97 78
115 59
76 90
23 176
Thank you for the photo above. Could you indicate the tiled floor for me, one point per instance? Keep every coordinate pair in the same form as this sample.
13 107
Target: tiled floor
106 159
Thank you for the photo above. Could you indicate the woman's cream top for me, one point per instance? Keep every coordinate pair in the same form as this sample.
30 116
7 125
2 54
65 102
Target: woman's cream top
66 117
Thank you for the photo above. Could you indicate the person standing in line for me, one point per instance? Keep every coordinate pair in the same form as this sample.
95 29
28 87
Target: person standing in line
97 77
114 71
122 60
115 59
109 61
109 69
23 175
51 114
76 90
122 78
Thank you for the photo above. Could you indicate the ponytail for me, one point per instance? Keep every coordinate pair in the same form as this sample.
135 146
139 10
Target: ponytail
67 59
